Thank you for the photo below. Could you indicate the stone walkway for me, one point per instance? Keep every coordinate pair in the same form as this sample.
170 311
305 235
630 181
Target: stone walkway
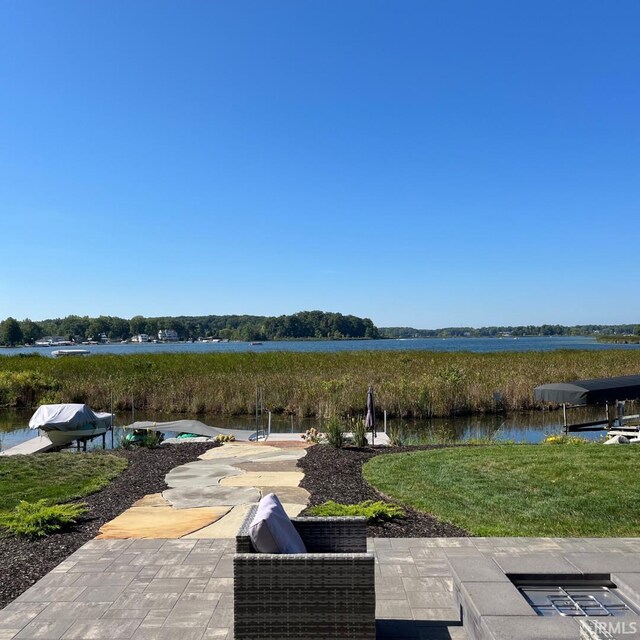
210 497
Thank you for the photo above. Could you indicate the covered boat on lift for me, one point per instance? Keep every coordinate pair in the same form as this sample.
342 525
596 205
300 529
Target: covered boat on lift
64 423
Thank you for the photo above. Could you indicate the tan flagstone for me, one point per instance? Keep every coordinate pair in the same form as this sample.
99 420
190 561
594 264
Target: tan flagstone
226 527
152 500
264 479
229 525
242 450
267 465
296 495
160 522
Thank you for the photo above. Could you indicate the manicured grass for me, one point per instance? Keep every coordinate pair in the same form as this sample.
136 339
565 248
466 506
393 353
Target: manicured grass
55 477
519 490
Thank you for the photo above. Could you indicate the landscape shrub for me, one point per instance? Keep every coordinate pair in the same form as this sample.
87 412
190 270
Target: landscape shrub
38 519
374 512
395 435
313 435
221 438
359 432
563 439
151 439
334 432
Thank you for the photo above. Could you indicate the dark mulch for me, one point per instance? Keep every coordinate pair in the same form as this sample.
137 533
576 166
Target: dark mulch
23 562
336 474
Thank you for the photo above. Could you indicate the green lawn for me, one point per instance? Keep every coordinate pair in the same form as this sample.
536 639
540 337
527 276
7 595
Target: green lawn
519 490
56 477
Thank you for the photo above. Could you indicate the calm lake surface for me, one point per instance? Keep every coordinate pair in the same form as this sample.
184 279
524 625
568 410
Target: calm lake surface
477 345
521 427
530 426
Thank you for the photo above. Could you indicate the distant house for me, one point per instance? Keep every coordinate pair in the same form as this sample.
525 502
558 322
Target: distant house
141 337
52 341
168 335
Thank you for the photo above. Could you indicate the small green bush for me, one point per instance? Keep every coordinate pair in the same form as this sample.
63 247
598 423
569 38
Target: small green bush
374 512
334 433
37 519
151 439
395 435
359 432
563 439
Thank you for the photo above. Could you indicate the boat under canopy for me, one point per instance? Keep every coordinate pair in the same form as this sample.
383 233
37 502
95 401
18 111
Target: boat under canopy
64 423
596 391
197 428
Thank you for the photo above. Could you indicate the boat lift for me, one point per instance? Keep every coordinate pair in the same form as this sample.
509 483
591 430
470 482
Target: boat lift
610 392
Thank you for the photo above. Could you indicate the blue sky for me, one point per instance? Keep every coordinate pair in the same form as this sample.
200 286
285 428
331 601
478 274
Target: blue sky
419 163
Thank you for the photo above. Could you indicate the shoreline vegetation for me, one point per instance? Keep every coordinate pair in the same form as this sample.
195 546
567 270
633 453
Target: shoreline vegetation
408 384
620 339
304 325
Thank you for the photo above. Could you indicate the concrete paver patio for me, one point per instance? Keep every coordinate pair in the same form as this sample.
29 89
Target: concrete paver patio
162 589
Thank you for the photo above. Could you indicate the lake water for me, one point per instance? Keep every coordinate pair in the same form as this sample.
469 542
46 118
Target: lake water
477 345
529 426
520 427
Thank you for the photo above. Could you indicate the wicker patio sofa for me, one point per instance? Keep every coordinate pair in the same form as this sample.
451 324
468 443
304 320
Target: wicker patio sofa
328 592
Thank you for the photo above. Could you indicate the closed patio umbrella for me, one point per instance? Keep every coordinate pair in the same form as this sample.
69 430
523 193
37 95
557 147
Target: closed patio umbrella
370 421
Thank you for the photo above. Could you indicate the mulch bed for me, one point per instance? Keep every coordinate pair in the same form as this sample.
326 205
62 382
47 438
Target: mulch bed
23 562
336 474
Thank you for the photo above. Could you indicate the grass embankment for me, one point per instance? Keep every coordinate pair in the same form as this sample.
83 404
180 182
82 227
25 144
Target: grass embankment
519 490
419 384
55 477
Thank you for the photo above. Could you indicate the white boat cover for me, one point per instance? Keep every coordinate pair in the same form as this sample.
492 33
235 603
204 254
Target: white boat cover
67 416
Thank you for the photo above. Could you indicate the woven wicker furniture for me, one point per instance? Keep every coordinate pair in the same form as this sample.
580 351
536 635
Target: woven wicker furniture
328 592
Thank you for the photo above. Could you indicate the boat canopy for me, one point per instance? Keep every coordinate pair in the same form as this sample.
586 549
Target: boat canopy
66 416
196 427
596 391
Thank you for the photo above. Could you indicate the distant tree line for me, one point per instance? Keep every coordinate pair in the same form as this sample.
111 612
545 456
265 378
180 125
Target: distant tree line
302 325
519 331
306 324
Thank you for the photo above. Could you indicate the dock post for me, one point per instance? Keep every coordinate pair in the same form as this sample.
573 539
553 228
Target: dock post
104 440
385 421
564 418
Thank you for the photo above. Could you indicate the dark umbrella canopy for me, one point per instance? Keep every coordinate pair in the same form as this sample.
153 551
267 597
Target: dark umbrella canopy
370 420
596 391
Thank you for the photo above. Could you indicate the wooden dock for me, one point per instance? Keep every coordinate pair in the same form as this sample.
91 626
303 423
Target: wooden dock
35 445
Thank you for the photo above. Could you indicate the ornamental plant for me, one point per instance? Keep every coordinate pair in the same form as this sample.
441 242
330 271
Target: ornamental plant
38 519
374 512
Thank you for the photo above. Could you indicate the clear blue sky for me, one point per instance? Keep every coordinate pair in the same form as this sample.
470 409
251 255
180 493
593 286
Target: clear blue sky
422 163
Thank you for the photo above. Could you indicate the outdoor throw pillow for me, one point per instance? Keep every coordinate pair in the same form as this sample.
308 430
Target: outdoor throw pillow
271 531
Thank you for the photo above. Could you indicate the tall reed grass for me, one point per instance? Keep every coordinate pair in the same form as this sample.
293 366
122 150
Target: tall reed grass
407 384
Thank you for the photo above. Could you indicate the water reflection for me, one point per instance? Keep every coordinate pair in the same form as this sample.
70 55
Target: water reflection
530 426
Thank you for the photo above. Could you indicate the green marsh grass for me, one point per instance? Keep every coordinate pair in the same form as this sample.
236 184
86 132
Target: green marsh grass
408 384
518 490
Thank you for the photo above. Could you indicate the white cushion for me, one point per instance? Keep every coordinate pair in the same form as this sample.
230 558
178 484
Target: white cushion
271 531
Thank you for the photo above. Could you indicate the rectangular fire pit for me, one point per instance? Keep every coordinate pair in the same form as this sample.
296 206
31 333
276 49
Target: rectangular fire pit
593 596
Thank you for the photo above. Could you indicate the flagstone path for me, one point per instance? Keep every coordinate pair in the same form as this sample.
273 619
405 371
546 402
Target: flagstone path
209 498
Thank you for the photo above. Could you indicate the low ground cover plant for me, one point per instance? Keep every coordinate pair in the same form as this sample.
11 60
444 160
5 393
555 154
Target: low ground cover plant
518 490
38 519
374 512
